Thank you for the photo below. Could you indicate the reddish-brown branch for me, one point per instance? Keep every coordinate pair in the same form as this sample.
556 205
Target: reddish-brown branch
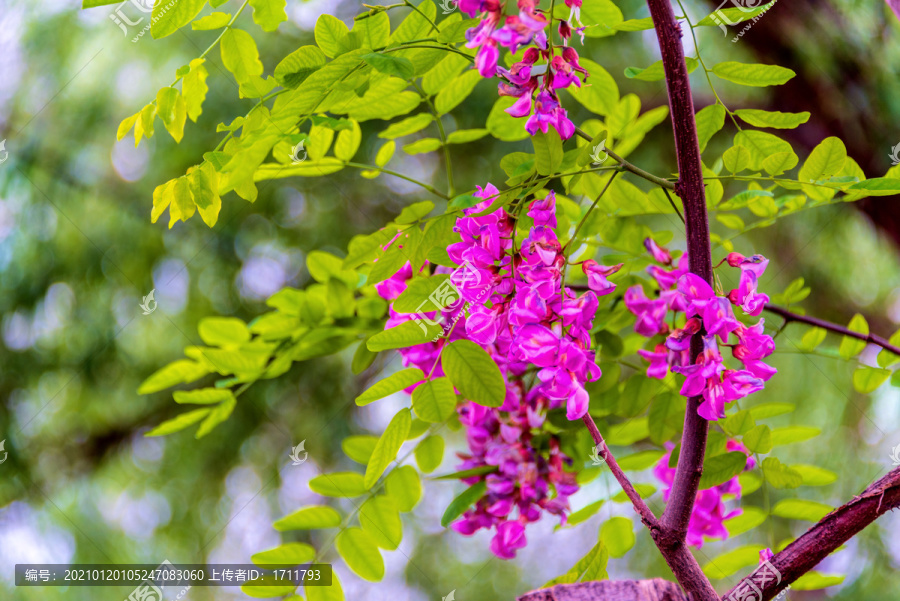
693 197
790 316
825 537
639 506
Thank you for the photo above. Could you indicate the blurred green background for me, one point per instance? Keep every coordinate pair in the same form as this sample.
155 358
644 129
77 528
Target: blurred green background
78 252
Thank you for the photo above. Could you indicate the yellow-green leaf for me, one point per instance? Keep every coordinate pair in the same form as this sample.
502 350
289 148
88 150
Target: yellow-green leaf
387 446
753 74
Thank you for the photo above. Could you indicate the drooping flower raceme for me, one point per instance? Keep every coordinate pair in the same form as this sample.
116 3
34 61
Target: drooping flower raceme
512 303
713 315
709 512
534 85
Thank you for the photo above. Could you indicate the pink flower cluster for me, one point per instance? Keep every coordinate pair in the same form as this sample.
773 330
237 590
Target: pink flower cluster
709 511
513 304
535 86
706 312
504 440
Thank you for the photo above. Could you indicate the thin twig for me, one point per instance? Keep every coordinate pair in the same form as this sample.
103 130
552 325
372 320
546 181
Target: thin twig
790 316
646 515
659 181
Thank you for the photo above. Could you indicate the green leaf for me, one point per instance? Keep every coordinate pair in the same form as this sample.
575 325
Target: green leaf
474 374
288 554
736 159
422 146
329 32
851 347
590 567
268 14
761 145
868 379
750 518
359 550
878 186
166 19
739 423
600 95
465 500
408 333
179 423
780 475
885 357
456 91
643 490
826 160
814 475
430 453
758 439
225 332
359 448
183 371
373 31
171 109
640 460
214 20
618 535
753 74
380 517
324 593
548 152
813 581
462 136
710 120
218 415
298 65
240 55
339 484
801 509
407 126
204 396
774 119
392 65
403 485
434 400
792 434
732 562
655 72
393 383
385 153
386 449
722 468
628 432
194 88
426 294
585 513
780 162
310 517
771 410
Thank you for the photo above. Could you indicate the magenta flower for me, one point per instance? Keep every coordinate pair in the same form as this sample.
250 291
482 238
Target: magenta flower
543 211
651 314
547 113
659 254
597 275
659 361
